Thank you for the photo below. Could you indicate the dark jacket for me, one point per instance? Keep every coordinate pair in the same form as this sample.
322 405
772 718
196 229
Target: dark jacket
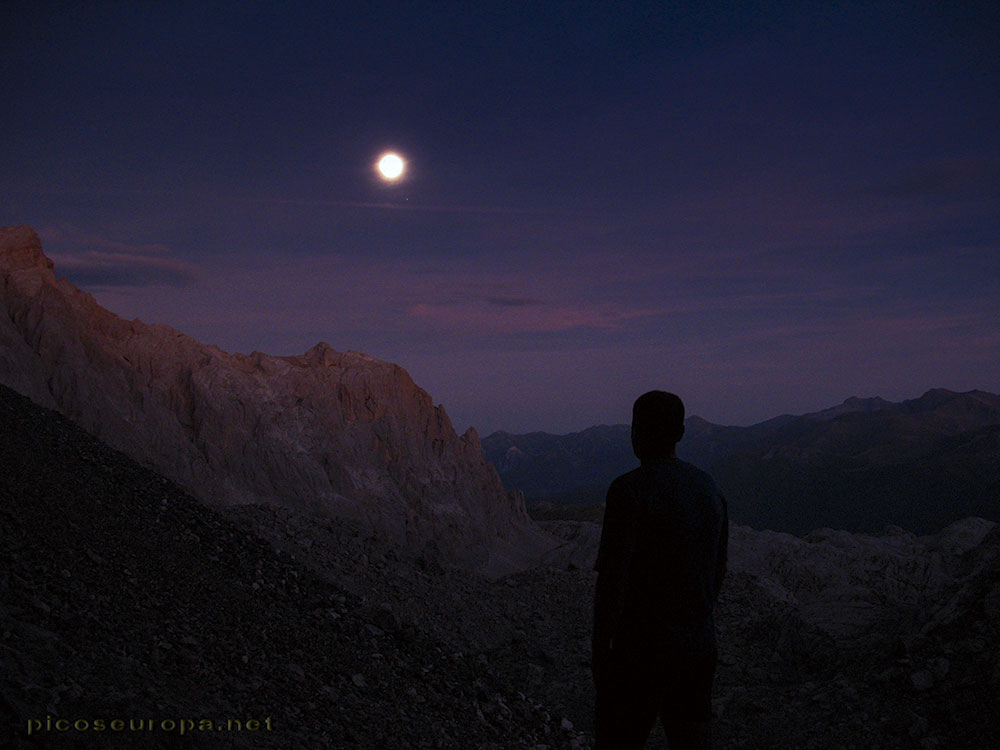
661 561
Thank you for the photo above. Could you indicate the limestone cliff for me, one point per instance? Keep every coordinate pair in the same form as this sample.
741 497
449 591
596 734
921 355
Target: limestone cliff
329 432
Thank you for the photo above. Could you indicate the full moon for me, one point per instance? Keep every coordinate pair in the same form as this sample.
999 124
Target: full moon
390 166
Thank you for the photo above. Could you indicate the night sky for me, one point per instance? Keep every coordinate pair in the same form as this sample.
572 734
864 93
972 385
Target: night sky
764 209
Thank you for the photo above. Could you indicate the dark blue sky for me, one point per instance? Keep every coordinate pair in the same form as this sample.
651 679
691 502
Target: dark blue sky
763 208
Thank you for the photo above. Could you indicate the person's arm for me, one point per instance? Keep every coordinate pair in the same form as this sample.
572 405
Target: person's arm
722 553
613 558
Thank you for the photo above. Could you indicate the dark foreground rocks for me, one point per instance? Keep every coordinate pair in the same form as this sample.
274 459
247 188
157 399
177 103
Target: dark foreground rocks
121 598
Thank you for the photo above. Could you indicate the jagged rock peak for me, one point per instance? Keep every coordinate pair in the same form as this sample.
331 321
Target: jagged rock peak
340 434
873 401
322 354
21 247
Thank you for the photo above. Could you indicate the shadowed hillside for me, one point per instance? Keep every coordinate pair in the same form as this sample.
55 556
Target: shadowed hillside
122 597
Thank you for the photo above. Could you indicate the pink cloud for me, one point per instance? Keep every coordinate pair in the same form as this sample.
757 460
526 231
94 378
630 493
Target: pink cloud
490 317
95 261
93 268
67 235
924 324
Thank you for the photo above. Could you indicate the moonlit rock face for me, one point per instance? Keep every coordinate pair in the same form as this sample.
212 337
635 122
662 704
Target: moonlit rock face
334 433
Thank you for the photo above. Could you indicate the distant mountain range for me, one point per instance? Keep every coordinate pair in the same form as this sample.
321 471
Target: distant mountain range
859 466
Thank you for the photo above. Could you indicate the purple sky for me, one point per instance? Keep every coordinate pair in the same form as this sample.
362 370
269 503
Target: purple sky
764 211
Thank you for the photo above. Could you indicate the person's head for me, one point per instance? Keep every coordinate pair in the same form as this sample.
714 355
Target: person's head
657 425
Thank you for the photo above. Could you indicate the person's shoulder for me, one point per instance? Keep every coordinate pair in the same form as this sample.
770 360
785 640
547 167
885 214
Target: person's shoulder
627 479
698 477
624 482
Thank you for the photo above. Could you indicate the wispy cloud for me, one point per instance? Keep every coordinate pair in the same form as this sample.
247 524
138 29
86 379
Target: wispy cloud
67 235
513 301
92 268
584 328
489 318
945 176
94 260
403 205
919 324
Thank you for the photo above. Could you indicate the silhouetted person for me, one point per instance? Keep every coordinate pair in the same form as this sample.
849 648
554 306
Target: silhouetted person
660 566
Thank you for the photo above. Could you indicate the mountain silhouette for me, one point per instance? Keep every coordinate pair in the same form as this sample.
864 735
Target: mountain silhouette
865 463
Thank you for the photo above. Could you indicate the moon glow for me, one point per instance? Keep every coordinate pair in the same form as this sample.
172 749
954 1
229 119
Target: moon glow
391 166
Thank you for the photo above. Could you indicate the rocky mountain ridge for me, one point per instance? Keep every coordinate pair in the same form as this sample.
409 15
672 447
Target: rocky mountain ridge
340 434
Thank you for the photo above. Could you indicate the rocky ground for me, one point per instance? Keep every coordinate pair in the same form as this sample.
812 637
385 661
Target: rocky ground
123 598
